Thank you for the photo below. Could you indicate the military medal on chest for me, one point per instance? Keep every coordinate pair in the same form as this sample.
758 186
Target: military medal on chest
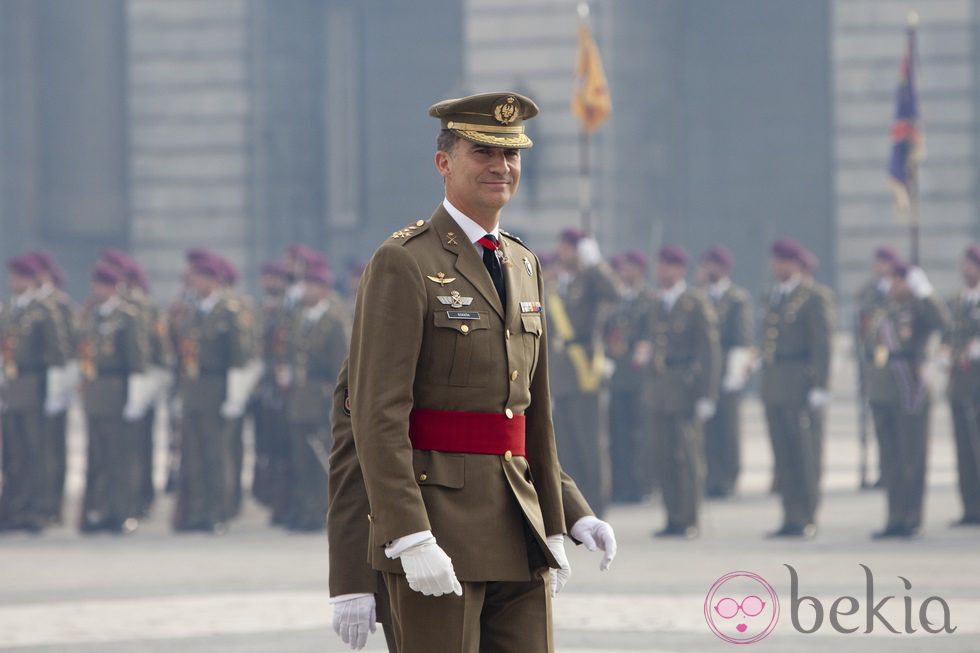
455 300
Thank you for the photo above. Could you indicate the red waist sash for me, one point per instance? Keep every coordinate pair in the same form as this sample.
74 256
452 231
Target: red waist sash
456 431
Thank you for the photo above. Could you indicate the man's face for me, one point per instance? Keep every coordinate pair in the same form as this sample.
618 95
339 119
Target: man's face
970 272
881 268
899 288
202 284
19 284
567 254
783 269
313 293
668 274
101 292
631 274
479 178
712 271
272 285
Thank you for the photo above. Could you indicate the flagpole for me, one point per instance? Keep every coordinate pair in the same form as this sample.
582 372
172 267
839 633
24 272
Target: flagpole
585 173
913 180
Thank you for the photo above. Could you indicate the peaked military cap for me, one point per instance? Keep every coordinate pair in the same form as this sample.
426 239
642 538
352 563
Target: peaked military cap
495 119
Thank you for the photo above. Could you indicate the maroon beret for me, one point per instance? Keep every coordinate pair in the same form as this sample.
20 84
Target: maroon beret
319 274
196 254
972 253
106 274
23 266
788 250
229 272
672 254
208 266
720 255
310 257
810 261
571 236
118 259
637 258
136 276
275 269
888 254
547 259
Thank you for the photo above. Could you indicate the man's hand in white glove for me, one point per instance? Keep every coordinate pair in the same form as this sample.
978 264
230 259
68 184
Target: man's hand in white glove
973 349
354 618
232 410
817 398
132 412
704 409
429 570
556 544
596 534
918 283
588 252
642 353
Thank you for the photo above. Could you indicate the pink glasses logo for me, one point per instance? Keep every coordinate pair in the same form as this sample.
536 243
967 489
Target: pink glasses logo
741 608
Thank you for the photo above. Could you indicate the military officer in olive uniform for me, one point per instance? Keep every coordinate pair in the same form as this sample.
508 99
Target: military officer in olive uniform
963 341
31 342
113 360
796 353
870 298
450 406
586 291
317 348
212 342
733 306
681 355
358 593
631 478
897 337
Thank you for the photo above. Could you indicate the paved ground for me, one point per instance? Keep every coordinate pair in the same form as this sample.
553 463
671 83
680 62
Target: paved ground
259 590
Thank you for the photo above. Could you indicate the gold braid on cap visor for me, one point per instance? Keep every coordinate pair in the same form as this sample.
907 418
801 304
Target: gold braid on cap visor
519 141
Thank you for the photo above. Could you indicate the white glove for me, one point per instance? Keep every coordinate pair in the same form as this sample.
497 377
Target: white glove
73 379
737 370
918 283
596 534
139 396
429 570
642 353
237 393
162 380
817 398
973 349
354 618
944 359
608 368
588 252
704 409
55 400
556 544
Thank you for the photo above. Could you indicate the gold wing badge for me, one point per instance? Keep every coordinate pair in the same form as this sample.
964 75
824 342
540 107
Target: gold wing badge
441 278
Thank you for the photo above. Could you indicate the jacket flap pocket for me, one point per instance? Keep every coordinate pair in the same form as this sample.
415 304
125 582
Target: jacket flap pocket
464 322
532 324
438 468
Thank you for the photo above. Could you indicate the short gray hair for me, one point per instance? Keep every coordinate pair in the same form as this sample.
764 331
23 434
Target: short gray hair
447 140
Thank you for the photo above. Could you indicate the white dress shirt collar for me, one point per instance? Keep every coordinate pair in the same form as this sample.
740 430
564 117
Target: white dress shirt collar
670 296
472 230
718 289
788 286
108 306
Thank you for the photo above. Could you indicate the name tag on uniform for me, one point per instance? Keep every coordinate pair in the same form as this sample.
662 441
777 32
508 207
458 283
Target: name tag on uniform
463 315
530 307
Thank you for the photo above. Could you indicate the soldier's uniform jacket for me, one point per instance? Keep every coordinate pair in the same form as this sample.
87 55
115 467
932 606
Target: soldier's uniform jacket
317 348
277 322
686 355
209 343
153 329
61 304
110 349
796 345
583 299
896 341
411 348
734 311
964 329
625 327
31 340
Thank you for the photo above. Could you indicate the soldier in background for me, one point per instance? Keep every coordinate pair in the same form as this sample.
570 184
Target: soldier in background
270 484
796 353
317 348
62 383
31 342
631 479
681 355
870 298
733 306
897 336
586 288
963 341
116 395
211 343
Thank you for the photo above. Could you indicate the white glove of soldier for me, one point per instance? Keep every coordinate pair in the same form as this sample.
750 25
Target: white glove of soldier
973 349
642 353
55 399
139 396
596 534
588 252
704 409
817 398
739 366
354 618
428 569
918 283
556 544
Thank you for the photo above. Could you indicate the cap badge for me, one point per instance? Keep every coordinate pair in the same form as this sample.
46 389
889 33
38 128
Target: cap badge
506 112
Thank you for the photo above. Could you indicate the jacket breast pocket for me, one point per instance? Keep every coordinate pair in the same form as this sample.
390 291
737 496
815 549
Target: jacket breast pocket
467 338
439 468
533 328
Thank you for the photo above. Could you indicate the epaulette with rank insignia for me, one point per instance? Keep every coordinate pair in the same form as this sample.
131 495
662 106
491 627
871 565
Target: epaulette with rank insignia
413 229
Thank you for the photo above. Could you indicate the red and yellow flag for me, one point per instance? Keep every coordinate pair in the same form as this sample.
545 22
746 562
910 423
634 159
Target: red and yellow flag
591 102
